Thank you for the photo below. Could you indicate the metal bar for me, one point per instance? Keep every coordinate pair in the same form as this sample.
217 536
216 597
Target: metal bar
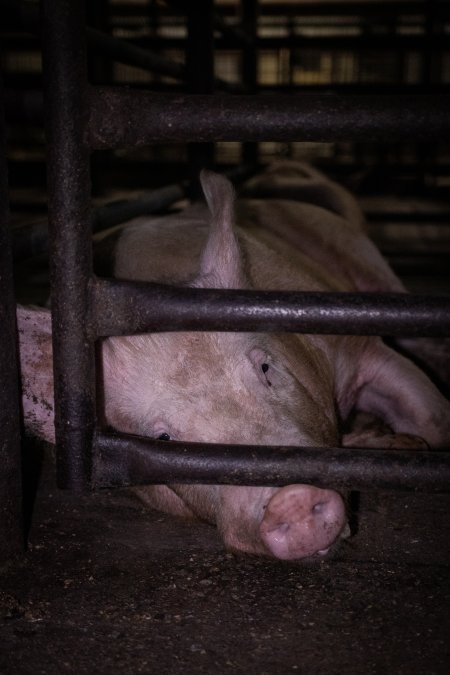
132 55
32 240
234 34
364 9
301 8
121 118
117 49
250 151
119 211
70 237
122 460
200 77
125 52
353 43
11 534
126 307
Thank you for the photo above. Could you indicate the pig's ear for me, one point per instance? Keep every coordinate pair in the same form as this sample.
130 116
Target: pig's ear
221 262
36 365
395 390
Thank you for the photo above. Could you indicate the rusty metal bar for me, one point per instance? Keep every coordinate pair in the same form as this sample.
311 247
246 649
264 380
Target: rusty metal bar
11 534
70 237
121 118
121 460
126 307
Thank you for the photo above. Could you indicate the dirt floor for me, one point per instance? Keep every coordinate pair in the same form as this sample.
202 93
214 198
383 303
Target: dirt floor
107 586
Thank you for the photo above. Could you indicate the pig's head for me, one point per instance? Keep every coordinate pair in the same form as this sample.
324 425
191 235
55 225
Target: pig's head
232 388
215 387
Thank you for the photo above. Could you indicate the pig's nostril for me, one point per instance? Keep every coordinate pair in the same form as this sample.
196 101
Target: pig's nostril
319 508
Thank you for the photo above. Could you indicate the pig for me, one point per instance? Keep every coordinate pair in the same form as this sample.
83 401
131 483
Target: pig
240 388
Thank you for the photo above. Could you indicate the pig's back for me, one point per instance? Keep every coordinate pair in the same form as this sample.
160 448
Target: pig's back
287 245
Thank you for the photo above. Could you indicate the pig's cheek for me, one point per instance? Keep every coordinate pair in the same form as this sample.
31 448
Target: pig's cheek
301 521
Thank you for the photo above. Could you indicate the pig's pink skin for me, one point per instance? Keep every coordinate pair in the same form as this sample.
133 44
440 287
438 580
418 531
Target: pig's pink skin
300 521
211 386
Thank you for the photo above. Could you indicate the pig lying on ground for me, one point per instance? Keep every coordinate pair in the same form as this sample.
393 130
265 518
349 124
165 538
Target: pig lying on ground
251 388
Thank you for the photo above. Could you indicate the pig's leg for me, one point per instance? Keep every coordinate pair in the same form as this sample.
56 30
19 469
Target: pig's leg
394 389
368 431
431 354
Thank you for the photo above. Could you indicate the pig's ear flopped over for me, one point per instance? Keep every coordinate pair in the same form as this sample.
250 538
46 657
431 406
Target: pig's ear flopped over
221 262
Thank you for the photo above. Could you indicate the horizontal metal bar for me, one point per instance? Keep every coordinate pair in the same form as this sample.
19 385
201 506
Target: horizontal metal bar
356 9
119 211
32 240
130 54
126 307
313 8
393 43
231 32
125 117
126 52
121 460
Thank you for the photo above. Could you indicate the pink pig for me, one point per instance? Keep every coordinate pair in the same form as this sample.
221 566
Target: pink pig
279 389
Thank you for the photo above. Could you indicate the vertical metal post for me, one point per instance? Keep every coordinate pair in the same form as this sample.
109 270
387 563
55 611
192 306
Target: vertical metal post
250 66
64 61
11 532
200 72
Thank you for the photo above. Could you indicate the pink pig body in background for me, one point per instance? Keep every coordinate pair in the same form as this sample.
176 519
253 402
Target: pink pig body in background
251 388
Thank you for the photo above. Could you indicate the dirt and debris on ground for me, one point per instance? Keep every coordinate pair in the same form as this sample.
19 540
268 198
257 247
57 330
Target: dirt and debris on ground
108 586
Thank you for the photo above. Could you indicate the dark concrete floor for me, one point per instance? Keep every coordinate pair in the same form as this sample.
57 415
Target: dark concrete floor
107 586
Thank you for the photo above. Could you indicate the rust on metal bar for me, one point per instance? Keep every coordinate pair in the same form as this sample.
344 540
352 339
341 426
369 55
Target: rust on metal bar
126 307
122 460
70 237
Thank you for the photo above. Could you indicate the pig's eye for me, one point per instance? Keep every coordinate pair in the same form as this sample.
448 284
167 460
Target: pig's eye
164 437
265 368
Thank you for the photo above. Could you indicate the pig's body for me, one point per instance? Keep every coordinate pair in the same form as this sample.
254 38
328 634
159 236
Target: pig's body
264 389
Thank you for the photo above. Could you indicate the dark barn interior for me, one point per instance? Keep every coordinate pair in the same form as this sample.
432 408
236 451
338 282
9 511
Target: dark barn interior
161 89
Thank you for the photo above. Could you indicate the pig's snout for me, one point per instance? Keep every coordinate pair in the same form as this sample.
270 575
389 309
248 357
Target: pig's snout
301 521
